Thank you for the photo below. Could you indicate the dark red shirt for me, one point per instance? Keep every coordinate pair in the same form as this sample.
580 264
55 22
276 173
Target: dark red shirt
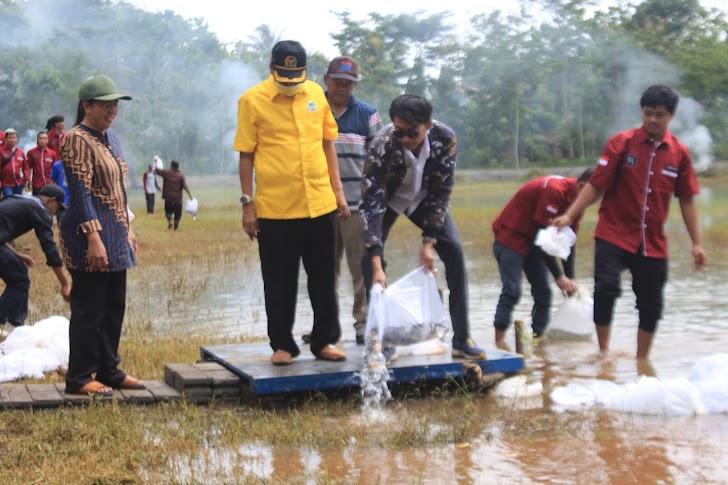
55 140
639 179
534 206
40 163
14 167
2 139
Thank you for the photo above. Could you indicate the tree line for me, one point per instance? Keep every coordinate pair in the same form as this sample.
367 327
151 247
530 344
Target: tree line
546 86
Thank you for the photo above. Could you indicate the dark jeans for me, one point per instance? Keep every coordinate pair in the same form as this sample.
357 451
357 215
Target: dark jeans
98 303
511 266
282 245
173 209
649 276
14 300
16 190
150 203
450 251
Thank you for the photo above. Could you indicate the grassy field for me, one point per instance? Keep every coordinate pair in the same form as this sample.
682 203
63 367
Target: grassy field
184 443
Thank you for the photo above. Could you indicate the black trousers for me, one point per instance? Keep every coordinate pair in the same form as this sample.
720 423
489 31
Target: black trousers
14 300
173 209
649 276
150 202
282 245
98 303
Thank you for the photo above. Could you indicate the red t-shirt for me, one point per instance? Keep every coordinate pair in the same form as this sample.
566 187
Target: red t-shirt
639 179
534 206
40 163
2 139
14 170
55 140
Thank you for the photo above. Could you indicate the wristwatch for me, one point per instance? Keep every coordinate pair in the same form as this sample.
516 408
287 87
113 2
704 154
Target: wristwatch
246 199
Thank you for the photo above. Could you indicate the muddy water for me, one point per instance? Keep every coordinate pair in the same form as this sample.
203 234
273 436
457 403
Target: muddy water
621 449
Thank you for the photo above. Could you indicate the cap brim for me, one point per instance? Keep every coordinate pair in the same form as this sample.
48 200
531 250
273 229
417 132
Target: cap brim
113 97
61 205
283 75
343 75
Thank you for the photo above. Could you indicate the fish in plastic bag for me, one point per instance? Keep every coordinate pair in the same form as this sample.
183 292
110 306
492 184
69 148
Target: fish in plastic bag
574 318
408 311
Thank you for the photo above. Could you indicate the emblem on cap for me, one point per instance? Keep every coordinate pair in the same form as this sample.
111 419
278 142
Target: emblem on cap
291 62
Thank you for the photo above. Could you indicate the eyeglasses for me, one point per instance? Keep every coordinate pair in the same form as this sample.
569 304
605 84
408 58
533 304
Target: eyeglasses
108 105
412 134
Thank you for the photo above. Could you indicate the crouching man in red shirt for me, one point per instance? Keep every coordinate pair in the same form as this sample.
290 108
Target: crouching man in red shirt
637 175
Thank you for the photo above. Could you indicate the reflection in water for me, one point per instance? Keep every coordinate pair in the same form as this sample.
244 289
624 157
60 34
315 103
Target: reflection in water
613 448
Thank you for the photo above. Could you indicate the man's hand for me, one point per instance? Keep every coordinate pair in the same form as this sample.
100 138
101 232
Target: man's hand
567 286
427 257
66 291
250 220
26 259
699 257
342 206
562 221
378 274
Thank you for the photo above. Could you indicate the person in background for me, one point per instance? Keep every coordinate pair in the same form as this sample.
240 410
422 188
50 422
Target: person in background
40 163
19 215
358 123
410 170
59 178
638 173
14 172
55 126
99 245
174 182
533 207
150 184
286 130
2 139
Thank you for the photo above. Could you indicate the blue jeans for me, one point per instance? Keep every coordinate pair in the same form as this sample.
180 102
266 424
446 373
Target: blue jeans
14 300
17 190
511 265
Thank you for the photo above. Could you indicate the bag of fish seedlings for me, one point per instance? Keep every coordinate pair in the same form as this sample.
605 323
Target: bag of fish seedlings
408 311
574 319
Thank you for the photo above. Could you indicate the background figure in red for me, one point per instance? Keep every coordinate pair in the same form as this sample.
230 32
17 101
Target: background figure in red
40 163
54 127
14 172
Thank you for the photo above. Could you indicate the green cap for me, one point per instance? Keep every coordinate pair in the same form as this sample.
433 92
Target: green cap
101 88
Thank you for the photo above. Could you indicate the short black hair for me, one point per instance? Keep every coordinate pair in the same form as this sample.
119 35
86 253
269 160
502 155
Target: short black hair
41 133
174 164
660 95
411 108
53 120
585 176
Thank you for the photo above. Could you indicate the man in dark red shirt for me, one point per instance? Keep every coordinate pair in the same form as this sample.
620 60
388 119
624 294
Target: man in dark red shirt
174 183
54 127
533 207
638 173
40 163
14 171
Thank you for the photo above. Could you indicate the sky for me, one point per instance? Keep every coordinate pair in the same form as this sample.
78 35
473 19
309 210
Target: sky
234 20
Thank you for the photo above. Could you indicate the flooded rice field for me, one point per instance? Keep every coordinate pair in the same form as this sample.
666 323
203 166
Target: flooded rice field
603 447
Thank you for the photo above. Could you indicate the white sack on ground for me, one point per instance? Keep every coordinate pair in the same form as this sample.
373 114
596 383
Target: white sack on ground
555 242
518 387
408 311
32 350
705 392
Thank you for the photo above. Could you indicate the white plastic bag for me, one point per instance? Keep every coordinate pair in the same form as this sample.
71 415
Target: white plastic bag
555 242
191 206
408 311
574 319
158 163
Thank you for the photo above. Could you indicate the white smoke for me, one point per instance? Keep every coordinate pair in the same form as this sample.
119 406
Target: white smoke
687 126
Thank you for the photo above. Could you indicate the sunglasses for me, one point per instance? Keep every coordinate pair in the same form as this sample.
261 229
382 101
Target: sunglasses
412 134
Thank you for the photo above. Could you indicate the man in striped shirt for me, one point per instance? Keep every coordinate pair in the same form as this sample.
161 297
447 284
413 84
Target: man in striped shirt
358 123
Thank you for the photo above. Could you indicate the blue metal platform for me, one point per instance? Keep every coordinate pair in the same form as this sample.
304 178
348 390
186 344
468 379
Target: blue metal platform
251 362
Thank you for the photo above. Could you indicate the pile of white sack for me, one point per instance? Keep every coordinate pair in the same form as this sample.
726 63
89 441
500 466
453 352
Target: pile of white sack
704 391
32 350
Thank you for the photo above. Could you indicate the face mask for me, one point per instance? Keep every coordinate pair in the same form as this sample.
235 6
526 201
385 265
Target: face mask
288 90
